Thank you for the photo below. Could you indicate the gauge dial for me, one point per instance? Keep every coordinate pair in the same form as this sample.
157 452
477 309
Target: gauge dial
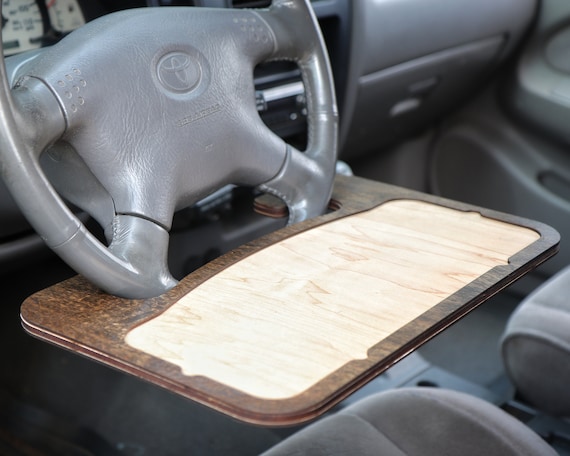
65 15
22 26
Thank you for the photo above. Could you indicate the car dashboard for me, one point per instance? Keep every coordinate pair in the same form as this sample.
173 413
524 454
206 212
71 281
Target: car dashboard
391 84
32 25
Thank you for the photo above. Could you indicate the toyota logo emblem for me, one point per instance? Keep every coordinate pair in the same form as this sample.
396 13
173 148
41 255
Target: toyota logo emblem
179 72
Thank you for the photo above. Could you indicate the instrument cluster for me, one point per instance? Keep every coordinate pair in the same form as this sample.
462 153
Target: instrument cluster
31 24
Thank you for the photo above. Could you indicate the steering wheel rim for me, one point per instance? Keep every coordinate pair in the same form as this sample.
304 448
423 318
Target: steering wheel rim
303 180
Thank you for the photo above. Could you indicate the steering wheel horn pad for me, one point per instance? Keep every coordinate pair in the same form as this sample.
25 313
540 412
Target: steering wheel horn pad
150 110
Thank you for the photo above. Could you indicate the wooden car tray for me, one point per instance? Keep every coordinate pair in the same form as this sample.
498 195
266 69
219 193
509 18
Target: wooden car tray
279 330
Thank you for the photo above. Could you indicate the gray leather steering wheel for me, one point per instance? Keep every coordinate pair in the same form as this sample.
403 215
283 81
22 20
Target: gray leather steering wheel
146 111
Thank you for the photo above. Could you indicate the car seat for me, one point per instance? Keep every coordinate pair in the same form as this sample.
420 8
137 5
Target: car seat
536 346
416 421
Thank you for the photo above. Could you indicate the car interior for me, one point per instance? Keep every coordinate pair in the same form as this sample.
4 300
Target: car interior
464 102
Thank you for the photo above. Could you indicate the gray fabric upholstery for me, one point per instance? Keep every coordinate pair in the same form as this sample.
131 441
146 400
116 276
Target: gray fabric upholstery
416 421
536 346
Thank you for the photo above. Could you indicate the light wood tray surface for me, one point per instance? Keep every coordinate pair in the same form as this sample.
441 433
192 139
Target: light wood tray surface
278 331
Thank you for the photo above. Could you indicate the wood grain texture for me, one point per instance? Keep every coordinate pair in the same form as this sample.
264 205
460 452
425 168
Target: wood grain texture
300 309
390 279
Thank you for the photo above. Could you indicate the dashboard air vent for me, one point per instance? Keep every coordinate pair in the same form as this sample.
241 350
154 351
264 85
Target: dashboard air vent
251 3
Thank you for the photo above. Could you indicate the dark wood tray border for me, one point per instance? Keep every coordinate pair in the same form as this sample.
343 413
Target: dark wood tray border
96 324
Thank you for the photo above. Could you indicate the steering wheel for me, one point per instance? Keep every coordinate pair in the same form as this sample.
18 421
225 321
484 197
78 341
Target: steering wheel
146 111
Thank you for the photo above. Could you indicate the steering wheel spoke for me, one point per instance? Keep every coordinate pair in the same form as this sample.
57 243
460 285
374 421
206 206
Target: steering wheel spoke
129 233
